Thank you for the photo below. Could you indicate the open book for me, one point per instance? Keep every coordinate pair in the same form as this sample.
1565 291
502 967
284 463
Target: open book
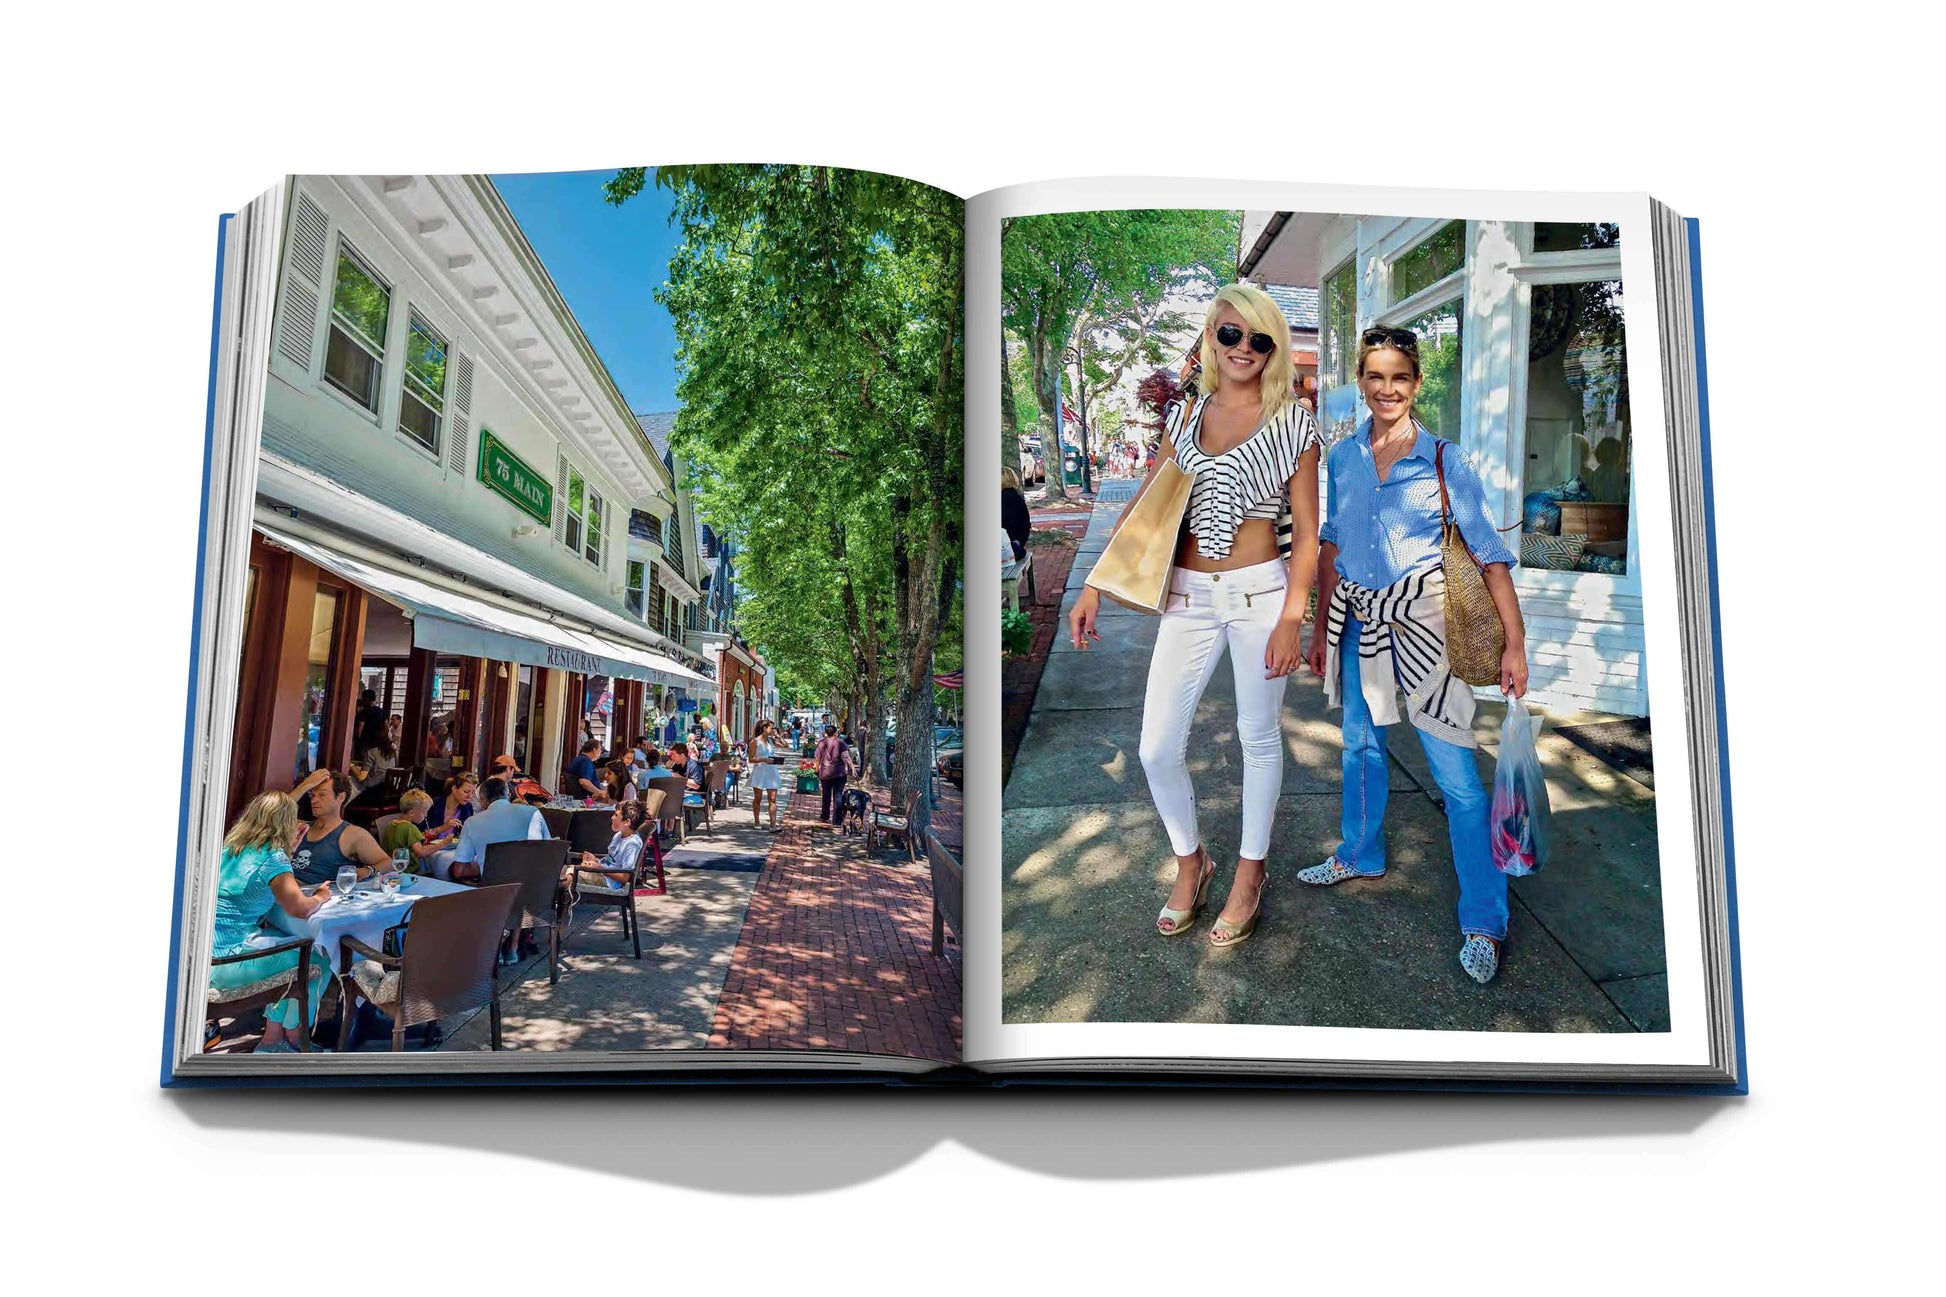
602 670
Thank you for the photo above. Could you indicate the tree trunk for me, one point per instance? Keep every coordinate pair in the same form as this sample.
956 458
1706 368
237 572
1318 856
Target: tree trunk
918 580
1009 424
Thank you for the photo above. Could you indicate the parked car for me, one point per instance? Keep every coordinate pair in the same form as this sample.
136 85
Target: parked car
951 762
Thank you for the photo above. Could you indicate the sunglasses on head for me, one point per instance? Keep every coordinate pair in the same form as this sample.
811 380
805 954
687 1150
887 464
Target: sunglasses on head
1403 339
1229 335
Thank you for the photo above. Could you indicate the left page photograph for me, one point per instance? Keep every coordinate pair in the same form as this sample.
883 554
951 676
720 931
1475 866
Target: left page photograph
578 654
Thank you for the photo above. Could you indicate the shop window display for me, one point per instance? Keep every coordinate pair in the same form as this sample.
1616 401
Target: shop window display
1577 447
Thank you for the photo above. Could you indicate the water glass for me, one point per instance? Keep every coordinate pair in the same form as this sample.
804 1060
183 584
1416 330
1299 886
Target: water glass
347 881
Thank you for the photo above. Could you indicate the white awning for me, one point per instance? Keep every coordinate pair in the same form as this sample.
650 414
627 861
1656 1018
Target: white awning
447 621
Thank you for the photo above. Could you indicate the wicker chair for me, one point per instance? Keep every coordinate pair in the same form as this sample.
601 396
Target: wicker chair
290 984
533 865
884 824
623 898
672 788
445 965
948 890
558 819
716 778
589 831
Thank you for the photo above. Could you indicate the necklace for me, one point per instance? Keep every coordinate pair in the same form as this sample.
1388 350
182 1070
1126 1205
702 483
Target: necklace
1382 461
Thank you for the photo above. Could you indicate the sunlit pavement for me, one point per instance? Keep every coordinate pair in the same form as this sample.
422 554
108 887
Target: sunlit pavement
1086 865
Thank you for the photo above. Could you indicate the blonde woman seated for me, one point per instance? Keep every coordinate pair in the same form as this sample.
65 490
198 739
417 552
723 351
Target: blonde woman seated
254 878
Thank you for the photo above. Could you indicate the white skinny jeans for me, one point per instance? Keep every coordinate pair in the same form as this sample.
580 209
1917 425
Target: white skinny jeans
1206 612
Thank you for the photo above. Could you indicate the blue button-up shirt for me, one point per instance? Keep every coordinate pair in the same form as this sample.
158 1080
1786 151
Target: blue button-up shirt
1384 530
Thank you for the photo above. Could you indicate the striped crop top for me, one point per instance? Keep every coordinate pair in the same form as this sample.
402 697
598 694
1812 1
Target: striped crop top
1250 480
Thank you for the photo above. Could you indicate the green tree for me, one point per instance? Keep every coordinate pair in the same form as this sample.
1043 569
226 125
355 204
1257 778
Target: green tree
1067 276
819 330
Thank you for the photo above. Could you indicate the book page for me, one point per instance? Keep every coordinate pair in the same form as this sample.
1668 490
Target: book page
583 643
1505 333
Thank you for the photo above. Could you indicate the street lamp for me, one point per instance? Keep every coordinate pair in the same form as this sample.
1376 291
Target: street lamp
1072 355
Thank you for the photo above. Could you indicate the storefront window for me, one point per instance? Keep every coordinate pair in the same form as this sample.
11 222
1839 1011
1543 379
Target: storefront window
524 699
317 676
1577 436
1557 236
1438 403
1337 384
1430 261
444 714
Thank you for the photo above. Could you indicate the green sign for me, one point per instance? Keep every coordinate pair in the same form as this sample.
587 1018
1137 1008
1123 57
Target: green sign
510 476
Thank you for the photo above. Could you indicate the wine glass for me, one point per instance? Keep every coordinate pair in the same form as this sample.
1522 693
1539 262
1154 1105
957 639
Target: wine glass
347 881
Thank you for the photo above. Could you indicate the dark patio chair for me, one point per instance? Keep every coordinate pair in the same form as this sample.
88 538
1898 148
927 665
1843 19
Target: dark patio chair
671 816
288 984
535 867
446 963
589 830
883 824
716 778
948 889
558 818
595 890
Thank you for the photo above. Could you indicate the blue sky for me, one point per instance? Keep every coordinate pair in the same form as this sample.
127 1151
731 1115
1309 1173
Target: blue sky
607 262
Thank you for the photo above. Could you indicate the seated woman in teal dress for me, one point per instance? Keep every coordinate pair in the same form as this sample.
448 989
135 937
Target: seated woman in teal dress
253 877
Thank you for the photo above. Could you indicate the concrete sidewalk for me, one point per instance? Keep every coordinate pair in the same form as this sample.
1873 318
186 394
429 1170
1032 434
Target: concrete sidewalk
1086 866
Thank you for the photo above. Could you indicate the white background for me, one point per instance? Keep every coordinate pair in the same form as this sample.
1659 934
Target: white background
1807 146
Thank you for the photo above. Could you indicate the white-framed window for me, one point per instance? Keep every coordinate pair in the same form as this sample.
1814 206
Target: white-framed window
583 531
422 383
1337 384
1574 428
636 587
1426 293
361 310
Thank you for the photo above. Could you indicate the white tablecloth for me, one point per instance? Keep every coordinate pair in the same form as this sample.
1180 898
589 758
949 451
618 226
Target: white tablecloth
366 917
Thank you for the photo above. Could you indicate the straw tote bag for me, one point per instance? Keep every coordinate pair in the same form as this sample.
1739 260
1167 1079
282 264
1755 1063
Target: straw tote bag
1134 569
1474 638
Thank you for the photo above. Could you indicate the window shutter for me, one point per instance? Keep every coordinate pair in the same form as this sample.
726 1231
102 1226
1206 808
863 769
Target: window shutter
461 422
560 498
304 282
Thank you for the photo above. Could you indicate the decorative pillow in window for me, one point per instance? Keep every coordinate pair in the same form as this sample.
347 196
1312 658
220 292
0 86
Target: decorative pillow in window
1558 552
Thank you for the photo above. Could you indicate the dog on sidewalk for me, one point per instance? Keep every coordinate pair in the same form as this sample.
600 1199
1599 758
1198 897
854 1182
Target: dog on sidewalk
855 804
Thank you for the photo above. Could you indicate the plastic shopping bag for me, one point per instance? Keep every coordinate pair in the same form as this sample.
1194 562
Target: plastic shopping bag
1520 827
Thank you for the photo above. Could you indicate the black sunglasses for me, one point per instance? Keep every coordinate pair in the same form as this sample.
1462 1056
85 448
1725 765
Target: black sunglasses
1403 339
1229 335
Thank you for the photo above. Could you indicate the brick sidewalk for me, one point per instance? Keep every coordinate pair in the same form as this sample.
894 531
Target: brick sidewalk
1020 678
836 953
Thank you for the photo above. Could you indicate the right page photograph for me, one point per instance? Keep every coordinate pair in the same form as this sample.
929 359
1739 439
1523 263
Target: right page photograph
1324 693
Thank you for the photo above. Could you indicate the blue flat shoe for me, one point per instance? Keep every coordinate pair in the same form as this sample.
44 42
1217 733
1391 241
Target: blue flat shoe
1480 957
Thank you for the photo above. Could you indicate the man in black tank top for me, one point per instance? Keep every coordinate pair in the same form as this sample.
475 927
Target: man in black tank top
328 842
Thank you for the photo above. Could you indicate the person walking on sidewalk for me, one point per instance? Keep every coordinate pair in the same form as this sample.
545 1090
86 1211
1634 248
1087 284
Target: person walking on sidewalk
1252 455
833 766
765 778
1381 630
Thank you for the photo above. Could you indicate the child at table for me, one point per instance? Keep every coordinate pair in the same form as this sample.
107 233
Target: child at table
408 831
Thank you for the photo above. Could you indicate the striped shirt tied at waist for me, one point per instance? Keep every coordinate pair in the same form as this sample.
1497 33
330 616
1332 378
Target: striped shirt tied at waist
1401 646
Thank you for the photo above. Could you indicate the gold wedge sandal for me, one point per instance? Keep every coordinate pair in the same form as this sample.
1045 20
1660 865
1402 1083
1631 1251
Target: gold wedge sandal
1223 934
1180 920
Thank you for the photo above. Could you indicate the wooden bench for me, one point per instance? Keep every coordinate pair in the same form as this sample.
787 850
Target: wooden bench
1012 574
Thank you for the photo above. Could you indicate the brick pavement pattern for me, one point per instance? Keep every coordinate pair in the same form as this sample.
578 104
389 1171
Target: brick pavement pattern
836 953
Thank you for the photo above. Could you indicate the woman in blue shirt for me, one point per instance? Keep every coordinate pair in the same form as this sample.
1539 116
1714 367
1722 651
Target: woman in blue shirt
1381 631
253 878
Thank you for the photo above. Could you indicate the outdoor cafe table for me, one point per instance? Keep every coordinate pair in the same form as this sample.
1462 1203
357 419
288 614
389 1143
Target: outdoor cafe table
366 916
